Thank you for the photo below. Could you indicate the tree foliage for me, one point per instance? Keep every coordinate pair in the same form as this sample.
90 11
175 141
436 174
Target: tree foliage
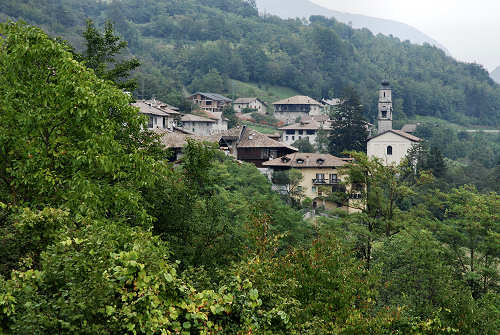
100 55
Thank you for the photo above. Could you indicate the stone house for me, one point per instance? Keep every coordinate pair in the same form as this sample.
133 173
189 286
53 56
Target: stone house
210 102
256 104
288 110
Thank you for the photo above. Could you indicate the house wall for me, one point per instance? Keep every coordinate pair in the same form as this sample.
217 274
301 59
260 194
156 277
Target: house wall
256 104
377 147
157 122
221 124
297 135
289 113
314 192
199 128
289 117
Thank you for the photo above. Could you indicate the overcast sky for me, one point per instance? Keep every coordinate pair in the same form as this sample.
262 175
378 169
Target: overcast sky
470 30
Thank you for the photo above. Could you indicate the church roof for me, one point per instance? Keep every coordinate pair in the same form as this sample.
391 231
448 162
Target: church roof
400 133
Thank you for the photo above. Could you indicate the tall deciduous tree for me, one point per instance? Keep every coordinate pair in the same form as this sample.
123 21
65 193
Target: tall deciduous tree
102 50
374 190
68 139
349 128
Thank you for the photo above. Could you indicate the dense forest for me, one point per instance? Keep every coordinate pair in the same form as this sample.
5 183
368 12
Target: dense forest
100 234
186 45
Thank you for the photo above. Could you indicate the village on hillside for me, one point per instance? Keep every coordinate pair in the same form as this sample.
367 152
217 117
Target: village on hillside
301 119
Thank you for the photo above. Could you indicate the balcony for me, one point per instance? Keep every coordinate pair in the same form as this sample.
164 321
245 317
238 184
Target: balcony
325 181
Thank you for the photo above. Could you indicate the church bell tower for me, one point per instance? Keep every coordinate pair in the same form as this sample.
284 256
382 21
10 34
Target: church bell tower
384 108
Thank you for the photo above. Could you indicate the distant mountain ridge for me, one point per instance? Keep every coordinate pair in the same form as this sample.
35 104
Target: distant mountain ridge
495 75
306 8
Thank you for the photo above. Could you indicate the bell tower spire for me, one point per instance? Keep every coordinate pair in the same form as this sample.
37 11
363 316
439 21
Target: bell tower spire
384 108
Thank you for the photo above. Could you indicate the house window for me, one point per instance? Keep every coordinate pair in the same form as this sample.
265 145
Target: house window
290 132
164 122
320 177
150 121
293 138
300 137
314 189
333 178
301 132
287 138
389 150
208 102
310 132
384 114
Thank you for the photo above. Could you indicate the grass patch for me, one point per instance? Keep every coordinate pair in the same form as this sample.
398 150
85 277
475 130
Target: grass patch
260 128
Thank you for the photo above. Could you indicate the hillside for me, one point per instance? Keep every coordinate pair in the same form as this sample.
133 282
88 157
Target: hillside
495 75
202 44
305 8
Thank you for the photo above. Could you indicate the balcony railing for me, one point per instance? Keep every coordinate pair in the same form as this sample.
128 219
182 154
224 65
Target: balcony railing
325 181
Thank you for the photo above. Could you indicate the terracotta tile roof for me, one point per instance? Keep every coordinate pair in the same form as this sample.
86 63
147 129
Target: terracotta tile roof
244 100
307 160
253 139
195 118
247 101
147 109
297 100
161 105
211 115
212 96
178 140
400 133
303 125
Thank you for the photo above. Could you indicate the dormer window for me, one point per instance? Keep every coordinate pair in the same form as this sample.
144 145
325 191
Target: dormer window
389 150
320 161
300 161
285 159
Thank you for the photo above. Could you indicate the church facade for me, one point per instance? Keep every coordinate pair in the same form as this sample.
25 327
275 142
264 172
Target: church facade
389 145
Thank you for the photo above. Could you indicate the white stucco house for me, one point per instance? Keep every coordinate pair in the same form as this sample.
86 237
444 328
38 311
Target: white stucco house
301 130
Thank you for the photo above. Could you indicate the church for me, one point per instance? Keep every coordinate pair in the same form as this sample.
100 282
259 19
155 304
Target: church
389 145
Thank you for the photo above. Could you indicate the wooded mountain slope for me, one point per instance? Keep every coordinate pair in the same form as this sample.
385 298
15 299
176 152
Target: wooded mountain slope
197 44
306 8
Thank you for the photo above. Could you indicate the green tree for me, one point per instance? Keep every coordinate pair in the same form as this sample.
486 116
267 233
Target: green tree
290 181
374 190
101 54
304 145
69 139
472 230
349 128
